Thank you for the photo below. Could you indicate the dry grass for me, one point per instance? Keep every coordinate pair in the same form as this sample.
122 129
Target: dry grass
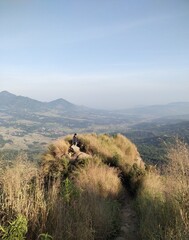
127 147
70 220
48 208
177 183
163 200
55 160
23 193
108 147
153 184
15 182
85 209
58 148
99 180
178 167
101 187
116 151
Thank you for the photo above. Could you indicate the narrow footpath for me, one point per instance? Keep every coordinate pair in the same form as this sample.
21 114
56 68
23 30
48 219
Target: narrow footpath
129 221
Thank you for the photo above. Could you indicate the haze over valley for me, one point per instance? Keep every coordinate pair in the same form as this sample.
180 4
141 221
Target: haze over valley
30 125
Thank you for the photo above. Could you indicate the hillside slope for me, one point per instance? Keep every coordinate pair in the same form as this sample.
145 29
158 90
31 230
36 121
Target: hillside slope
91 162
116 151
86 192
80 188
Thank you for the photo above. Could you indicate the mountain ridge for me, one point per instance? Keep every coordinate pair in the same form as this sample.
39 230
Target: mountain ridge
9 100
61 102
61 111
24 120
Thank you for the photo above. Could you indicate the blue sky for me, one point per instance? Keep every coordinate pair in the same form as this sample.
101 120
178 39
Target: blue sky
98 53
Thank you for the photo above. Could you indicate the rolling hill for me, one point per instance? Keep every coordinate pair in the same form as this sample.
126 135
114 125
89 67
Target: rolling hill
25 121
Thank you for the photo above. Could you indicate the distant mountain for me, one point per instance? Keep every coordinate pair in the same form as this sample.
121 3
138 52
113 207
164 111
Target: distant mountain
24 120
159 111
25 116
62 104
26 108
9 101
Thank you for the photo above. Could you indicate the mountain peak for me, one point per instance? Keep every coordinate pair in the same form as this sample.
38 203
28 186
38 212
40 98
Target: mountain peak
6 93
60 102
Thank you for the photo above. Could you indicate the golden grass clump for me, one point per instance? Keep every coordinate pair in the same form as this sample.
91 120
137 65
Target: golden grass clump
55 160
153 184
59 148
100 189
99 180
127 147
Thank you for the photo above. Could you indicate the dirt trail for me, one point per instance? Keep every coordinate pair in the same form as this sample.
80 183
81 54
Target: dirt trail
129 221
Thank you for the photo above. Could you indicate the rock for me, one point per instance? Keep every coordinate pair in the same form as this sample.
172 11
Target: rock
74 149
82 155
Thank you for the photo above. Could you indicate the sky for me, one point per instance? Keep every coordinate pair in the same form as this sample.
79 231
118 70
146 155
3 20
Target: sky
107 54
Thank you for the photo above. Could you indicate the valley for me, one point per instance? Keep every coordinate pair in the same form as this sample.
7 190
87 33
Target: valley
29 125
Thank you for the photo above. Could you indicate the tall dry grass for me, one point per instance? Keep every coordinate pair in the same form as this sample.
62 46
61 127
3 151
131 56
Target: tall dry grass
70 217
56 159
23 193
91 211
66 198
163 201
46 209
99 180
101 188
177 185
60 208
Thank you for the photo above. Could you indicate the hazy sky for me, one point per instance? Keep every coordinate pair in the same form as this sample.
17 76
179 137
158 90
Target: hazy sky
97 53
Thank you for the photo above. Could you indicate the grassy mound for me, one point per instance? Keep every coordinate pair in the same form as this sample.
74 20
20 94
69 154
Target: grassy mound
75 192
115 151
